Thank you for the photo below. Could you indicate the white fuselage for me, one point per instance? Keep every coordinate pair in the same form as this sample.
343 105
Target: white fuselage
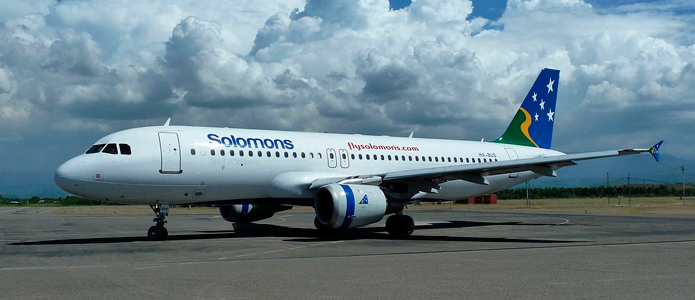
185 165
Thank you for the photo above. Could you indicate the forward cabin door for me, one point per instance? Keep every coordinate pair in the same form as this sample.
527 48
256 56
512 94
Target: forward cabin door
512 156
171 153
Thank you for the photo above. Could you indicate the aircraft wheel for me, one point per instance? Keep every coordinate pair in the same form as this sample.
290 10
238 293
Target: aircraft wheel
400 225
157 233
165 233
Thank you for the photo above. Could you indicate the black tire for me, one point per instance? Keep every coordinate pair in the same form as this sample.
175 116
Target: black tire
391 224
400 225
154 233
165 233
407 225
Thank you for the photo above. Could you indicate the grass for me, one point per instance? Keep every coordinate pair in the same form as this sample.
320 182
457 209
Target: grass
616 206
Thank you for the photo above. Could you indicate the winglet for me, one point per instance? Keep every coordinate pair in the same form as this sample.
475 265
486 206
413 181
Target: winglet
167 122
654 150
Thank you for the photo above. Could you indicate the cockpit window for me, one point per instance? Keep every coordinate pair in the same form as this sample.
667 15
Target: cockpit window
95 149
125 149
110 149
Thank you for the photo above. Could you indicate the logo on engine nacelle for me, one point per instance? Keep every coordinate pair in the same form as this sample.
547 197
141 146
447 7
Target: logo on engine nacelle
364 200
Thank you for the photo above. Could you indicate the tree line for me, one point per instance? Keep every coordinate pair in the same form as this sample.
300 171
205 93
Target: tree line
598 192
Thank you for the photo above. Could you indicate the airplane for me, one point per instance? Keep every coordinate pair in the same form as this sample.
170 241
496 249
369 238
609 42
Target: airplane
350 180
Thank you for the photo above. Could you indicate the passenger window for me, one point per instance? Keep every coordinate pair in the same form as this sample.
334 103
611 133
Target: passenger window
360 156
467 160
192 151
110 149
231 152
125 149
260 153
367 156
430 158
311 154
95 149
382 157
403 157
294 154
344 156
277 153
250 153
410 157
319 155
352 156
455 160
449 159
241 152
287 155
331 155
417 158
212 152
396 157
436 159
389 157
303 155
222 152
478 160
269 154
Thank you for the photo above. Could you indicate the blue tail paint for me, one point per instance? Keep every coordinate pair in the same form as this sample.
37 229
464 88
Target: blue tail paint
533 123
654 150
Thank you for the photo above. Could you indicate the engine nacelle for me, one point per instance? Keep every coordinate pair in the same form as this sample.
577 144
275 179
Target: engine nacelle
350 206
247 213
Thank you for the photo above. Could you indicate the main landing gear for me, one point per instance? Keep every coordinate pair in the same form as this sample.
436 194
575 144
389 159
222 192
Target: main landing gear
158 232
400 225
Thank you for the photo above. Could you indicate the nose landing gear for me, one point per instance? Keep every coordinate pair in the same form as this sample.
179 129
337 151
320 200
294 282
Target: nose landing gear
158 232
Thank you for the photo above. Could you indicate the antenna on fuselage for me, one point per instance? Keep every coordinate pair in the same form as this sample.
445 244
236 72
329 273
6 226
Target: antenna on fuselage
167 122
411 134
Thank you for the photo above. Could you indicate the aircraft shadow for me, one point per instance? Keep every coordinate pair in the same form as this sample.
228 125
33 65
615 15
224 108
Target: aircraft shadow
312 235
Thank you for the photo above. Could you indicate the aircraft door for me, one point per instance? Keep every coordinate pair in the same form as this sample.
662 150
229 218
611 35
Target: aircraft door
171 153
512 156
344 160
332 160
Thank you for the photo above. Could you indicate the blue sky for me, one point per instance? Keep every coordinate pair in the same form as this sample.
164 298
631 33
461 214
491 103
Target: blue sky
74 71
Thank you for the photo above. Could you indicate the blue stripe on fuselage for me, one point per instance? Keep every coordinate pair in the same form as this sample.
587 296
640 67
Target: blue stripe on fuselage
350 211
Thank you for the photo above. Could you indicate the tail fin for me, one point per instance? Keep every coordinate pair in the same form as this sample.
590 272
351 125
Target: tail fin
533 123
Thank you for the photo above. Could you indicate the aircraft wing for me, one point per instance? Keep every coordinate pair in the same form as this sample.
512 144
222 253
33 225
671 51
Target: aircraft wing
476 173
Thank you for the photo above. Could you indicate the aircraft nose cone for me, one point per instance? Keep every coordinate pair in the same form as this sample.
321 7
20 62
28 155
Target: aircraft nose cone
67 174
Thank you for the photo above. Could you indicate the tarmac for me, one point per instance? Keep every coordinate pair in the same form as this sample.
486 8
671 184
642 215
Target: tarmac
451 255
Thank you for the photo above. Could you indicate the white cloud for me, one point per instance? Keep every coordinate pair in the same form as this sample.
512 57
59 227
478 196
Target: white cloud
342 66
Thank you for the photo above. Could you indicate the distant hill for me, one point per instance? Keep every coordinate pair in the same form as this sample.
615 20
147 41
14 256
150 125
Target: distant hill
29 184
642 169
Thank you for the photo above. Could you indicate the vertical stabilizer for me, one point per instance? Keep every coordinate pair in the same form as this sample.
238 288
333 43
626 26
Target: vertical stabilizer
533 123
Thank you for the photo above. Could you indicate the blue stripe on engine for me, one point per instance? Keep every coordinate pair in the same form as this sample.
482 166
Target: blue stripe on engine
244 208
350 206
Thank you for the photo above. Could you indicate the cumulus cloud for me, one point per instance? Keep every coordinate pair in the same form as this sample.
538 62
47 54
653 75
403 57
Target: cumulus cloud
343 66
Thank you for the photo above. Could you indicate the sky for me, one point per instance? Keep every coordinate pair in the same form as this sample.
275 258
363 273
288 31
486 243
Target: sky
74 71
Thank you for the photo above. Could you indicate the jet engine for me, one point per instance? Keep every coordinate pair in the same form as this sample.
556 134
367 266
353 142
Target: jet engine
350 206
247 213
